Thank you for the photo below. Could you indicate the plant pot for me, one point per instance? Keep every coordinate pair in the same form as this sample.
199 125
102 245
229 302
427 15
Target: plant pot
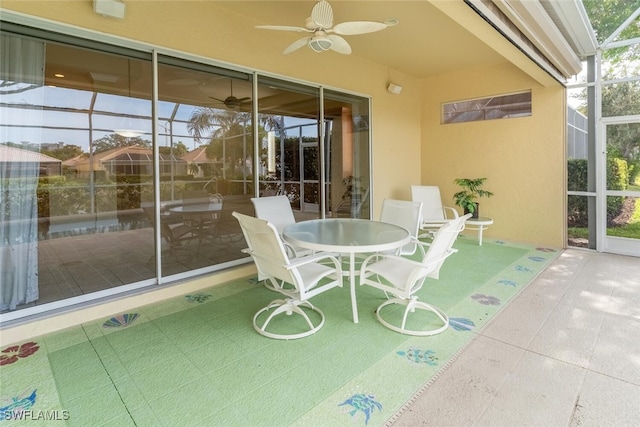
476 213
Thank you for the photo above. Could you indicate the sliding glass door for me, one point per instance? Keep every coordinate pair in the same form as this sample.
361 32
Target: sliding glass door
76 148
106 187
205 124
289 148
348 161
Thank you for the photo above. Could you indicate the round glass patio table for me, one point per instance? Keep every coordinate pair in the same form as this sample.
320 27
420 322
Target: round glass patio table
347 236
199 213
197 208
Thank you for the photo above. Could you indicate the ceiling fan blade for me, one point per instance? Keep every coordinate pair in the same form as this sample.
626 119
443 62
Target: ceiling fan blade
245 99
217 99
340 45
322 14
358 27
296 45
283 28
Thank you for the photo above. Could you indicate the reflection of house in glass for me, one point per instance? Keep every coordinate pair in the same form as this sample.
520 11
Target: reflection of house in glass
206 167
20 160
130 161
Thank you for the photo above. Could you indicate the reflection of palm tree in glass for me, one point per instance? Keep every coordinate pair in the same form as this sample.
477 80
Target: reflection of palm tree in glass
229 135
194 168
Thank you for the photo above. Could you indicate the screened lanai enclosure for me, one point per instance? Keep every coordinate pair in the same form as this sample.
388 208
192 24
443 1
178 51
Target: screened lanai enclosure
150 155
603 135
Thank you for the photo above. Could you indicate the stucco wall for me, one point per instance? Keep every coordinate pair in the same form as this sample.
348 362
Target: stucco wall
523 159
204 29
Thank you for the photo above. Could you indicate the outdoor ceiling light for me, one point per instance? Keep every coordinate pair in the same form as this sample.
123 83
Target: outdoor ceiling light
320 42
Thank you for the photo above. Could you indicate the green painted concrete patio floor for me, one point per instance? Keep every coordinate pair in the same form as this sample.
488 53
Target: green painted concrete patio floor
196 359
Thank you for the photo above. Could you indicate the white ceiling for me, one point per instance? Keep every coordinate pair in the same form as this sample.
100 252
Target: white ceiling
426 42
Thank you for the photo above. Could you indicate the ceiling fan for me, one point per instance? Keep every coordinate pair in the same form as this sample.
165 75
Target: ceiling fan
231 101
324 35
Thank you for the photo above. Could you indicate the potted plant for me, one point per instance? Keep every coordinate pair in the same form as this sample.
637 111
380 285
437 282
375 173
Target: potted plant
352 188
471 190
352 198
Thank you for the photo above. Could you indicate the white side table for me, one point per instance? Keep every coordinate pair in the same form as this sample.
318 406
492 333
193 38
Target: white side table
480 224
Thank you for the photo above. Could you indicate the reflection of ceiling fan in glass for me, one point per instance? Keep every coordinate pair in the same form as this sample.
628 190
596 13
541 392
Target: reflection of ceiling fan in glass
231 101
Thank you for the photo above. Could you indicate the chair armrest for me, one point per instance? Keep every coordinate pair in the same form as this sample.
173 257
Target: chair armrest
318 256
453 212
422 245
378 256
291 252
416 264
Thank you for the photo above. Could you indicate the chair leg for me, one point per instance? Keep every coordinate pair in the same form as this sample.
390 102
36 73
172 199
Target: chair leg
410 307
288 307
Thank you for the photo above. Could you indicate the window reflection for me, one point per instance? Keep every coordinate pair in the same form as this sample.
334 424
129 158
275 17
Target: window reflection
206 123
98 161
91 233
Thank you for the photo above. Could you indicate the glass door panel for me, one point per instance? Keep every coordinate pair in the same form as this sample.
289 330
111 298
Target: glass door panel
311 177
205 144
288 115
84 118
348 155
622 182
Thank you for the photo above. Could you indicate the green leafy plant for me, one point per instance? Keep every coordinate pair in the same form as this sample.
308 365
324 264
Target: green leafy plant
471 191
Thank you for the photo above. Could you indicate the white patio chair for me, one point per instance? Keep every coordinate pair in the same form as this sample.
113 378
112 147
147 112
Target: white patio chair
403 278
434 213
406 214
277 210
307 276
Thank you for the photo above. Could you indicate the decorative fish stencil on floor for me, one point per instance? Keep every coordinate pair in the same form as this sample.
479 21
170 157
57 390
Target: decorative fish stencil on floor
461 323
199 298
507 282
364 403
486 299
17 405
415 355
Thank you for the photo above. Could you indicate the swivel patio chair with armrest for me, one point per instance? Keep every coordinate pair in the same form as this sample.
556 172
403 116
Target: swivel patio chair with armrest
309 276
403 278
435 273
406 214
277 210
434 213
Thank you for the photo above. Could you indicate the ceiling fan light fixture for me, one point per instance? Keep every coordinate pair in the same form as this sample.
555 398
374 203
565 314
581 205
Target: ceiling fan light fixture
320 43
325 35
